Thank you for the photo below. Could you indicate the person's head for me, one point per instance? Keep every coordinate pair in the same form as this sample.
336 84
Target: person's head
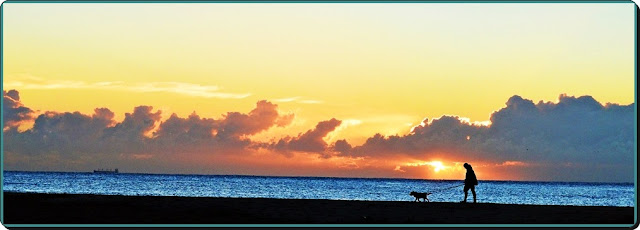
467 166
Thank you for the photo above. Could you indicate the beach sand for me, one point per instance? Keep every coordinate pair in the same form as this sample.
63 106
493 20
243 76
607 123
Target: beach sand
33 208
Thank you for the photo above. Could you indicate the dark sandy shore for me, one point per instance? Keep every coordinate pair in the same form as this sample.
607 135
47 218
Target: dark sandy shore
30 208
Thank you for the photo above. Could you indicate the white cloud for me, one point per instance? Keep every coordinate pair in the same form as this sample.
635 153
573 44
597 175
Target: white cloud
297 99
183 88
289 99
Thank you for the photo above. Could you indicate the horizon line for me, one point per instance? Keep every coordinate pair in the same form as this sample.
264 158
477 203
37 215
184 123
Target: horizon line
335 177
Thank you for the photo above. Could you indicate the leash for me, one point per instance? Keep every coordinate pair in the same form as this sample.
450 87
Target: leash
447 188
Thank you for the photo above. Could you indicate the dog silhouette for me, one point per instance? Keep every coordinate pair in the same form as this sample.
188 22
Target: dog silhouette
419 195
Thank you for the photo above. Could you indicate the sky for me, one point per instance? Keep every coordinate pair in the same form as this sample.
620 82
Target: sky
521 91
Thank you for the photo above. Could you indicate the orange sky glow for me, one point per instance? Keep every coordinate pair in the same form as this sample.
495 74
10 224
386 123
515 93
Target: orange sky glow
519 91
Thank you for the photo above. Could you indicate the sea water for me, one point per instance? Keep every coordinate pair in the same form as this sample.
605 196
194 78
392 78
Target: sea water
505 192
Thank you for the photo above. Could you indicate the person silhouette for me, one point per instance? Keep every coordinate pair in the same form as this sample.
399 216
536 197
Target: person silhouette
470 182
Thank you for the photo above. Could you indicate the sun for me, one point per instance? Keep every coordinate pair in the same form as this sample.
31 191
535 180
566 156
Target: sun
437 165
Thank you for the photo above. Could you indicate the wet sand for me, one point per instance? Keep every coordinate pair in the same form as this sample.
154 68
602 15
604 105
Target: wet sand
32 208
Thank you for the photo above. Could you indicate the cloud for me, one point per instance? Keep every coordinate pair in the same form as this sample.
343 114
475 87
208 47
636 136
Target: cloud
132 133
13 111
62 133
194 134
196 90
261 118
187 89
188 130
343 125
231 132
228 134
575 138
576 130
298 100
342 146
141 132
285 120
288 99
311 141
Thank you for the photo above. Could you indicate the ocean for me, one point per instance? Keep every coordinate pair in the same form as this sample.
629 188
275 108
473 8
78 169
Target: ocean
505 192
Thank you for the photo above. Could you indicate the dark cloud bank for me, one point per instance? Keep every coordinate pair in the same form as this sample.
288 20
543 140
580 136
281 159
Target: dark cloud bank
140 132
575 139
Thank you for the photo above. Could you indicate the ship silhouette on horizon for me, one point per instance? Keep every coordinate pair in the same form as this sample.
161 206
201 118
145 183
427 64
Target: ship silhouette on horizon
108 171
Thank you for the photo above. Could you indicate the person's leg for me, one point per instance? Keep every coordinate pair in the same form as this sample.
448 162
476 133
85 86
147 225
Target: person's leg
466 192
473 191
